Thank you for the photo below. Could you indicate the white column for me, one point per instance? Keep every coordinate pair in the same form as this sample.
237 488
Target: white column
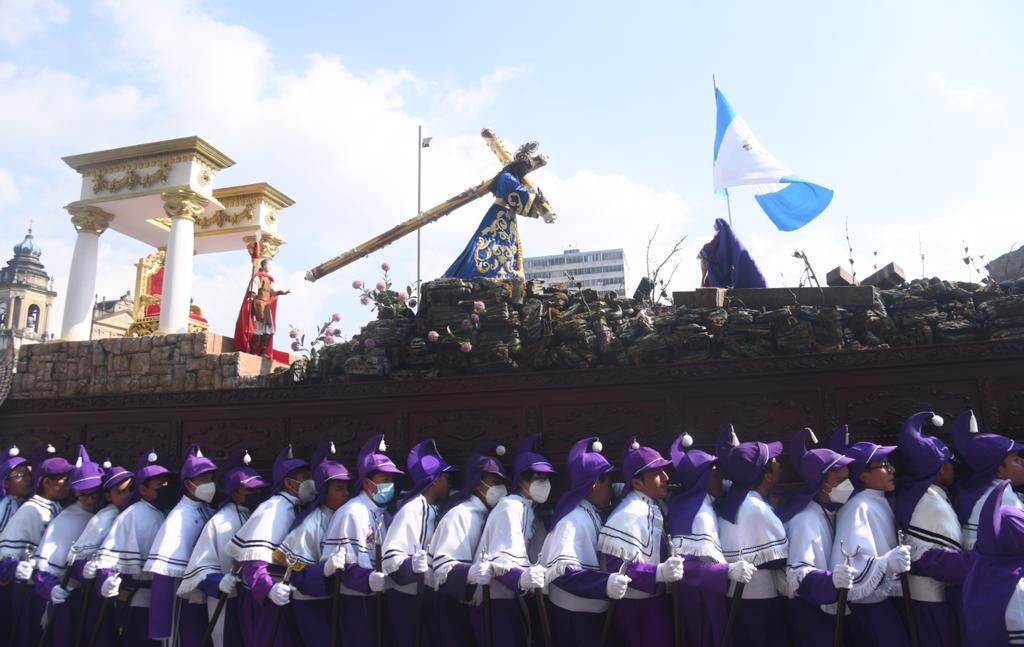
90 223
183 206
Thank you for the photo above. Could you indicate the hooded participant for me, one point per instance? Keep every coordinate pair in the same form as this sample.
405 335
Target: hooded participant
809 517
635 533
750 530
355 530
455 545
210 570
989 459
693 533
15 483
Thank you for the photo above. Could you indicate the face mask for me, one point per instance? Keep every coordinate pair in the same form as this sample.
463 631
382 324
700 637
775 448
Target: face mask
385 492
841 492
539 491
494 494
205 492
617 489
307 491
726 485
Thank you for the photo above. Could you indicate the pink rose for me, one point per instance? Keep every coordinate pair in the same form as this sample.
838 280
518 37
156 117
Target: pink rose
381 286
432 336
412 303
294 334
295 346
369 344
336 316
465 347
475 317
478 306
402 296
357 284
385 266
365 300
466 324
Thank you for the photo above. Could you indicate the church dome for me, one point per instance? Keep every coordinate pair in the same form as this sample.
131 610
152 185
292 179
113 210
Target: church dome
28 246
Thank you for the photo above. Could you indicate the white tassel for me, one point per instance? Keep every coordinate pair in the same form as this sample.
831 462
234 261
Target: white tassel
13 451
687 441
290 452
846 434
810 434
634 444
937 421
332 450
152 457
383 446
973 425
50 449
499 450
199 453
734 440
246 459
107 464
596 446
78 462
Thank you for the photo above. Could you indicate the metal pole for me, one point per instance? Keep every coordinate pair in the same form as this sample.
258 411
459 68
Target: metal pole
728 202
419 208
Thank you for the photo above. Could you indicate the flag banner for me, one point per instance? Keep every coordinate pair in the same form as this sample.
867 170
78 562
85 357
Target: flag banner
740 160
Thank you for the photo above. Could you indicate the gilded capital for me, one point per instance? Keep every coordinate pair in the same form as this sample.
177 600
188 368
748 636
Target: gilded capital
269 246
87 217
184 203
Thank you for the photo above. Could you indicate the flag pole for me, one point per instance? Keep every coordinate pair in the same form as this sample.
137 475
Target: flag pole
728 202
419 208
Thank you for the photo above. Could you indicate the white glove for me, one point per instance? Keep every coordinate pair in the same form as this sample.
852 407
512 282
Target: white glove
532 578
480 573
228 584
111 586
616 586
24 571
549 218
378 581
335 563
89 570
59 595
280 594
842 576
897 560
670 570
419 562
741 571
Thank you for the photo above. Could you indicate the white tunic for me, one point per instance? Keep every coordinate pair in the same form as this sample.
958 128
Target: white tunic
866 521
411 531
573 543
95 532
703 539
304 543
457 537
758 537
174 541
970 529
506 539
264 531
8 506
934 524
634 532
1015 616
126 547
810 534
23 532
58 538
352 530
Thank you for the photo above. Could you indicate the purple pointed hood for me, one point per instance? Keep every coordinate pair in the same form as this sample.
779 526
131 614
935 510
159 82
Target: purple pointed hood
586 466
840 440
45 462
528 460
114 474
920 459
194 463
744 463
812 465
982 454
371 458
12 458
284 463
237 472
485 460
693 472
148 467
86 474
425 464
637 459
997 568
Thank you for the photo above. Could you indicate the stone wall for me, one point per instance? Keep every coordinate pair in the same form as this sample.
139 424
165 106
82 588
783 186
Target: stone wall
151 364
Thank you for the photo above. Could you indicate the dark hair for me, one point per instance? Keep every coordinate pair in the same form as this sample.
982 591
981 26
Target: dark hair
264 262
518 170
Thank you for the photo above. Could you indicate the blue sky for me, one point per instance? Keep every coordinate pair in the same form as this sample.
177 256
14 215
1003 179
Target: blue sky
909 111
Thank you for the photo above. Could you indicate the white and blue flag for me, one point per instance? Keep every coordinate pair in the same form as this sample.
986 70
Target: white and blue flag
740 159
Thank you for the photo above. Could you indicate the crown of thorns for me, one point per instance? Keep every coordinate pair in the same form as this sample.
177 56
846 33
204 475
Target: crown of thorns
526 152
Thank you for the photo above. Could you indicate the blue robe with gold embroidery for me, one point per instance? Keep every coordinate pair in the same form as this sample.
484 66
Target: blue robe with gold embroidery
495 250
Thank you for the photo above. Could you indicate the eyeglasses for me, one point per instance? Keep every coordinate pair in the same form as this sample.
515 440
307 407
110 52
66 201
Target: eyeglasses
17 476
884 465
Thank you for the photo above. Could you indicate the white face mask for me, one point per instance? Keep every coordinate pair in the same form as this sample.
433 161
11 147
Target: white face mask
494 494
726 485
539 490
205 492
307 491
841 492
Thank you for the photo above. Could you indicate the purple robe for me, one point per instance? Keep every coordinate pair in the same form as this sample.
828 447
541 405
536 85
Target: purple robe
454 627
701 601
877 624
256 613
642 621
728 263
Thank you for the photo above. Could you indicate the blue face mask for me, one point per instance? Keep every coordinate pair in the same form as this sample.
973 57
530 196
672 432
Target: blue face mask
385 492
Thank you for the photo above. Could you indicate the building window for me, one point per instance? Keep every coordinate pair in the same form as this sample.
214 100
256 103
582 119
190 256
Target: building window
3 314
33 318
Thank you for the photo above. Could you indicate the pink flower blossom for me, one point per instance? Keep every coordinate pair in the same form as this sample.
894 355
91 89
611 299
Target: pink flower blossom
294 334
369 344
475 317
381 286
432 336
336 316
357 284
402 296
336 332
478 306
295 346
365 300
412 303
465 347
466 324
385 266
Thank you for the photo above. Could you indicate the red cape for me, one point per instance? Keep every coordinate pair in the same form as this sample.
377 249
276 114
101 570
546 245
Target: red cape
244 323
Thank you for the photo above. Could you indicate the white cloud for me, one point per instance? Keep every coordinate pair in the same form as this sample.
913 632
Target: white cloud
462 102
959 95
8 188
22 19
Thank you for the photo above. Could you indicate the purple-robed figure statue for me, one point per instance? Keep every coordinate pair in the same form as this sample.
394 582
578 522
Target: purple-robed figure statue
726 263
993 591
924 474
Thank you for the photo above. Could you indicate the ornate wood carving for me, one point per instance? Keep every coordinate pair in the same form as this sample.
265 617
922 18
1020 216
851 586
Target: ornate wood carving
123 443
348 434
263 437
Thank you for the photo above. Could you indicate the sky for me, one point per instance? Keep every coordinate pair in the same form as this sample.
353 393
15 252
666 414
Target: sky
908 110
